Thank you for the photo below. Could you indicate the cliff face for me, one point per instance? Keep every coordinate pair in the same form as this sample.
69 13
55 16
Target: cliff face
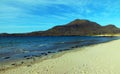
76 27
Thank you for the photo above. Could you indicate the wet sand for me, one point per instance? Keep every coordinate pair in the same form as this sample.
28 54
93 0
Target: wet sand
101 58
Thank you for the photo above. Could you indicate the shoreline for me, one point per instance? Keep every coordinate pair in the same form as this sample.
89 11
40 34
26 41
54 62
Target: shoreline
108 35
63 57
27 61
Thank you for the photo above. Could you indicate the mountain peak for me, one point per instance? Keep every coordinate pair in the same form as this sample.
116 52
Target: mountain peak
81 20
78 21
111 26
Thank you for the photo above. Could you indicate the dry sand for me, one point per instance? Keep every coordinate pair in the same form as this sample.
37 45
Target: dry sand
96 59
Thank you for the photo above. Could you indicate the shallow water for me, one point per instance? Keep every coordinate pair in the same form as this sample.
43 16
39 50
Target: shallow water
21 47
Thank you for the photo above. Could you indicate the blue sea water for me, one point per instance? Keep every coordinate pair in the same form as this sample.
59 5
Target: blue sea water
19 47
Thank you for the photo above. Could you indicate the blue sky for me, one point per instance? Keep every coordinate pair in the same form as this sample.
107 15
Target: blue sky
19 16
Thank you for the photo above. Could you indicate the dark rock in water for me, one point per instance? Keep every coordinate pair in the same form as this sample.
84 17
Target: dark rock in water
50 52
6 57
63 50
28 57
37 55
72 47
44 53
76 46
13 64
60 50
67 49
25 56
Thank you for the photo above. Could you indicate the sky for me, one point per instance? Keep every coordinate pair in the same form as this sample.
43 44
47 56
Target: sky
20 16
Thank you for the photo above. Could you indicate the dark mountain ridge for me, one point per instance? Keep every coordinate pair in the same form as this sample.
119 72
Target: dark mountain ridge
77 27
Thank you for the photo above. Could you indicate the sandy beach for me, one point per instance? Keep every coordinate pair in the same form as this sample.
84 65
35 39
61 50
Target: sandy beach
101 58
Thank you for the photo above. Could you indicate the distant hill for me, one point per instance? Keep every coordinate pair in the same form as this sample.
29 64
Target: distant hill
77 27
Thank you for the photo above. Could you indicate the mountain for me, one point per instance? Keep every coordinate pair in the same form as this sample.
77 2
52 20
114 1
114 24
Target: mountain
77 27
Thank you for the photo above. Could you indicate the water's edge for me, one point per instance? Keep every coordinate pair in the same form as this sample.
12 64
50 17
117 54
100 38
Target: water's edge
28 60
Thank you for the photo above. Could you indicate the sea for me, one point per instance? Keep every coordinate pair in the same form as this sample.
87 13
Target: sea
14 47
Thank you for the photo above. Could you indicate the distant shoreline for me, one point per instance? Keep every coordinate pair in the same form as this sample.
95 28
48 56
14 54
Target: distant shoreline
61 35
108 35
77 27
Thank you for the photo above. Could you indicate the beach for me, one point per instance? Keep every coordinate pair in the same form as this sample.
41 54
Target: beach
101 58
